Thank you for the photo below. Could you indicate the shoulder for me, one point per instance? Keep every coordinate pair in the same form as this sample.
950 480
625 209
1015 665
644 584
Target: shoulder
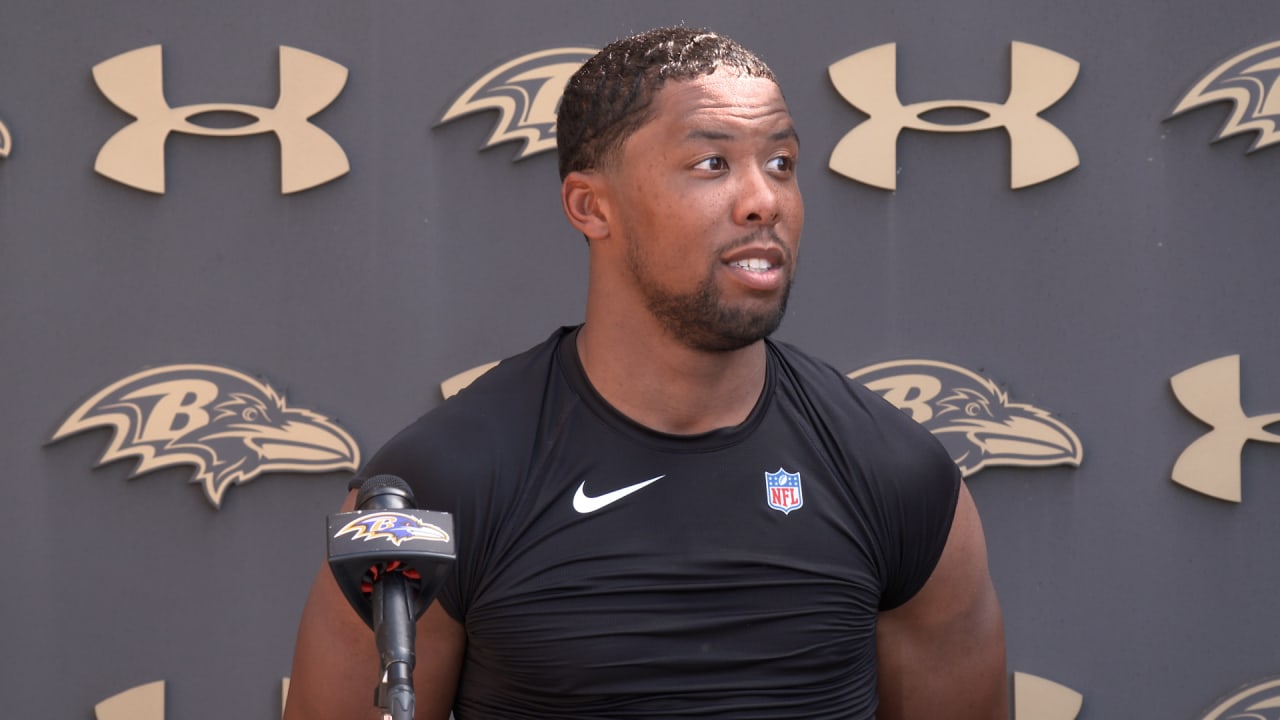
521 378
881 448
847 401
471 431
813 374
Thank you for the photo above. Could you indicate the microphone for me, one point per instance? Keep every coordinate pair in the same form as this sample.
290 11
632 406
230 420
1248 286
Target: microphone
389 560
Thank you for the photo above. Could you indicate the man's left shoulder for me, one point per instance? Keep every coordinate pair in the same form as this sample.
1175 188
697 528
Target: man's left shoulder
821 378
806 366
855 413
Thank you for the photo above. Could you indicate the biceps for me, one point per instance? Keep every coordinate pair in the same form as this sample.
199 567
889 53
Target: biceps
336 666
944 648
441 643
335 663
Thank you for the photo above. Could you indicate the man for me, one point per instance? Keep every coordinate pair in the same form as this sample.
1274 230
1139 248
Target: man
661 513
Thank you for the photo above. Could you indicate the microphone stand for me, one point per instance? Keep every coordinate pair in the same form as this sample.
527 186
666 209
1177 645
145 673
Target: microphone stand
395 638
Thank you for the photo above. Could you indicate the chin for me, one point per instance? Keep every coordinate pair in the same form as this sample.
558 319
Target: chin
744 331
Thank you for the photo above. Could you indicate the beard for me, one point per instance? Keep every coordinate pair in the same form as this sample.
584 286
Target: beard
701 318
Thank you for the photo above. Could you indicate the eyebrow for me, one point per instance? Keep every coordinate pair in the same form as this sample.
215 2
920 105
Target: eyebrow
788 133
699 134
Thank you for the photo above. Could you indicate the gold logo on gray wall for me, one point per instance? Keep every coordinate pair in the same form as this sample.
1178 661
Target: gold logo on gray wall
452 385
868 80
1035 698
6 141
134 82
1257 701
526 92
1211 392
231 427
972 417
146 702
1250 80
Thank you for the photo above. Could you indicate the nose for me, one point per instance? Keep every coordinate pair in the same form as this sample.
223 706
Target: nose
758 201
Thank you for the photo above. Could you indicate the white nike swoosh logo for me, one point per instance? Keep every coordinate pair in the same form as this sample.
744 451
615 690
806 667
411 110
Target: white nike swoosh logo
584 504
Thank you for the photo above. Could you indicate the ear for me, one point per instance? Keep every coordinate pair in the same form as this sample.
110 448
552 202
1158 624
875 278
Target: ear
585 202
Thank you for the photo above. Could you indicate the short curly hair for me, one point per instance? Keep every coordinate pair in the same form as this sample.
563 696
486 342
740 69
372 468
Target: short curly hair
610 97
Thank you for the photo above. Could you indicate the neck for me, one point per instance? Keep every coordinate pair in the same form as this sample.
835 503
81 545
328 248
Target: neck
663 384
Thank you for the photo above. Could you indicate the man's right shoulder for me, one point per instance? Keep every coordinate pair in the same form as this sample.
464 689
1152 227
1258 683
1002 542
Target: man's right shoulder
493 417
509 384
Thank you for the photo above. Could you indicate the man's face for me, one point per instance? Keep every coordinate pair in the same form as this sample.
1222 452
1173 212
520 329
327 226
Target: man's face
709 209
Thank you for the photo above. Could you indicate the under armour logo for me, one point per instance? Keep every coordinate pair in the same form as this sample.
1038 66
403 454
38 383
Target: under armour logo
134 82
1038 150
6 141
1211 392
526 92
1251 81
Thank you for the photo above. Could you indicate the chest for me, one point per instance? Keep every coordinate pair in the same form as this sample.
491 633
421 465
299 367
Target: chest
619 566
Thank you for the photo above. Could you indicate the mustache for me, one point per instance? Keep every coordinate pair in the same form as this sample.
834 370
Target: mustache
767 234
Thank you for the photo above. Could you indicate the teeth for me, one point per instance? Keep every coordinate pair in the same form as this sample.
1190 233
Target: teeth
755 264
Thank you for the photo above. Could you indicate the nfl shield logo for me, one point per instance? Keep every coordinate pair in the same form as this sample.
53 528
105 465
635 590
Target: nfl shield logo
783 490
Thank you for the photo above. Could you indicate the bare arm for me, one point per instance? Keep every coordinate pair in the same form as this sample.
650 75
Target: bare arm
335 660
942 653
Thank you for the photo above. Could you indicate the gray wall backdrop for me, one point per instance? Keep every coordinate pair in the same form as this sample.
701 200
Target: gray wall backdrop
1082 295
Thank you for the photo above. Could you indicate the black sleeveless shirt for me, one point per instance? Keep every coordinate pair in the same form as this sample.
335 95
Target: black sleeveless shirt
609 571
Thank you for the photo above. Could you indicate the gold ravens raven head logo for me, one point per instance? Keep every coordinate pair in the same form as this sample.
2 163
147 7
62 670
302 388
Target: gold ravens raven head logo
1250 80
526 93
393 527
972 418
1257 701
231 427
6 141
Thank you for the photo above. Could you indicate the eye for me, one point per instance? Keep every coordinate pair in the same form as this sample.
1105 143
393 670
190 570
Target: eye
782 163
250 414
972 409
714 163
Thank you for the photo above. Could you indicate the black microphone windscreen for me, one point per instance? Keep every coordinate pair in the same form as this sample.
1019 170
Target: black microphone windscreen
382 491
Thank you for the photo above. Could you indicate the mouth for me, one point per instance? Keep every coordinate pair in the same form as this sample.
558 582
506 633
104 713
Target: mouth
758 266
753 264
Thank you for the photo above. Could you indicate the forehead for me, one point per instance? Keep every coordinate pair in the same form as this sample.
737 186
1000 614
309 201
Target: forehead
719 98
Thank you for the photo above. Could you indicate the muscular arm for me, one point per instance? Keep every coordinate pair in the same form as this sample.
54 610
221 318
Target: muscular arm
335 660
942 653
